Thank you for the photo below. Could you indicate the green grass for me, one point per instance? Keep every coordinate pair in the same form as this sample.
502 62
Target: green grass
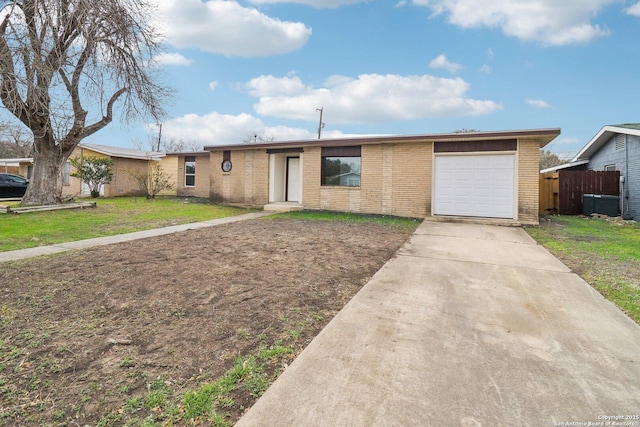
606 254
405 224
112 216
608 239
205 404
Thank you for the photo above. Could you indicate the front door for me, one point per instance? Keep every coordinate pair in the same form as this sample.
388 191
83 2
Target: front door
293 179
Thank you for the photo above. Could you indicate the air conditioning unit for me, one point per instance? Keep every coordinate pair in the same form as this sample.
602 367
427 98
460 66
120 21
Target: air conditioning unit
600 204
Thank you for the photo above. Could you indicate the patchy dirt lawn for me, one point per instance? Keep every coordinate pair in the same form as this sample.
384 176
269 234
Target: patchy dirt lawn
138 333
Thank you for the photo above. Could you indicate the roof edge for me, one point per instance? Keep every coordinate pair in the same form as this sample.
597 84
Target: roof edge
113 152
546 135
600 138
188 153
565 166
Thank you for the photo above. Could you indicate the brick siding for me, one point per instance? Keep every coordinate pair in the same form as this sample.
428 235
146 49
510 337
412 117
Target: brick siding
396 179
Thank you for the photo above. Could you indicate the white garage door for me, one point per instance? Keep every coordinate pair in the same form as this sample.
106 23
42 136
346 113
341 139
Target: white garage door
474 185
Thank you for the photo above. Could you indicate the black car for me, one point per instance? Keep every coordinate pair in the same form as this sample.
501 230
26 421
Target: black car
12 185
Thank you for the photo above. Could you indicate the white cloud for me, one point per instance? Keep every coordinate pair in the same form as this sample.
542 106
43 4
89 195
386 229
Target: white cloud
314 3
538 103
441 61
485 69
172 59
227 28
213 127
221 129
213 85
633 10
270 85
401 3
370 98
552 22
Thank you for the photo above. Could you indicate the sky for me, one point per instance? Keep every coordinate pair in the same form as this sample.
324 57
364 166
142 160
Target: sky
264 68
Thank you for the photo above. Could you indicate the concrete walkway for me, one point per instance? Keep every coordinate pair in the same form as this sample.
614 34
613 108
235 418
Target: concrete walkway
469 325
99 241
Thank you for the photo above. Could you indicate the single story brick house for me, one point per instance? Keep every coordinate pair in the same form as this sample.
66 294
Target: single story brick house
125 161
476 174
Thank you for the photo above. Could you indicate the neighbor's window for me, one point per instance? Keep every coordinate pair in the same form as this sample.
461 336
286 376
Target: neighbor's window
341 166
66 171
609 168
190 171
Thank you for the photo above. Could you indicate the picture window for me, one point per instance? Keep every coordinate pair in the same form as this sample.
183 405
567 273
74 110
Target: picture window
341 166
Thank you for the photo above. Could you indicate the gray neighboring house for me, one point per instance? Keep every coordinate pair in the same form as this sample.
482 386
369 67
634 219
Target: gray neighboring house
614 148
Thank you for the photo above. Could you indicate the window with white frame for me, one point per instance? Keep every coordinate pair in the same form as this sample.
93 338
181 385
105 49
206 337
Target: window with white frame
190 171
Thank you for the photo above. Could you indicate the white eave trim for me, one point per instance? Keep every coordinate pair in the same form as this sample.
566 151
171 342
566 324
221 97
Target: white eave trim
565 166
16 160
600 139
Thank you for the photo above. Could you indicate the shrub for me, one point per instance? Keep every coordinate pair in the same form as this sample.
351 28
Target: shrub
153 181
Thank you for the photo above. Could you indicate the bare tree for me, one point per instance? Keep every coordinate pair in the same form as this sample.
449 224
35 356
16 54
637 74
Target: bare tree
257 139
465 130
64 64
171 145
154 181
549 159
15 140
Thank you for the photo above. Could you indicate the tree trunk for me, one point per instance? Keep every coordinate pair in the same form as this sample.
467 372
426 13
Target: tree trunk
45 184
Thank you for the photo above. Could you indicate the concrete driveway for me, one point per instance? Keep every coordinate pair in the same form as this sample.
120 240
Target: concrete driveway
469 325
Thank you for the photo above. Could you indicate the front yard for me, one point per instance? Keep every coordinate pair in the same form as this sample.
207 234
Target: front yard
191 328
186 329
605 252
111 216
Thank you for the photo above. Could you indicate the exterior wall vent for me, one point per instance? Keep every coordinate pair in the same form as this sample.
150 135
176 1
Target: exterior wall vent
620 140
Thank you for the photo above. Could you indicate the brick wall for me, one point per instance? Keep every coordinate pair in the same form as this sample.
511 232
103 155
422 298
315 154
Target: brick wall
248 181
396 179
123 183
412 165
169 166
203 178
311 177
528 159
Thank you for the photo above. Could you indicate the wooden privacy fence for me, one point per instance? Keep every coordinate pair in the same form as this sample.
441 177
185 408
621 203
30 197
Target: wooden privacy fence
561 192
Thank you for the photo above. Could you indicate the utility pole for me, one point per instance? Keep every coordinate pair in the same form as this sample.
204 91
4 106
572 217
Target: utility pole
320 125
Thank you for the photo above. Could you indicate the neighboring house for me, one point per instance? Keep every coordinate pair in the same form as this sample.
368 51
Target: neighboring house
479 174
192 172
12 165
348 179
614 148
125 162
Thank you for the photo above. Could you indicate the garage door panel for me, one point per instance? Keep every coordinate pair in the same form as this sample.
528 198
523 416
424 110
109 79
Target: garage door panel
474 185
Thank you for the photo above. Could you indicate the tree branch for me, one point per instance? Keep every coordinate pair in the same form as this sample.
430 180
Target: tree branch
9 88
107 118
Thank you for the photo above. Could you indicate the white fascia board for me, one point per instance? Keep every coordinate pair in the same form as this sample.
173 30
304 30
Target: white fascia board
600 139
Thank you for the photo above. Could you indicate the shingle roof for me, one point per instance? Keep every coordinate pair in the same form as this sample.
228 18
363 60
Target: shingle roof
634 126
127 153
